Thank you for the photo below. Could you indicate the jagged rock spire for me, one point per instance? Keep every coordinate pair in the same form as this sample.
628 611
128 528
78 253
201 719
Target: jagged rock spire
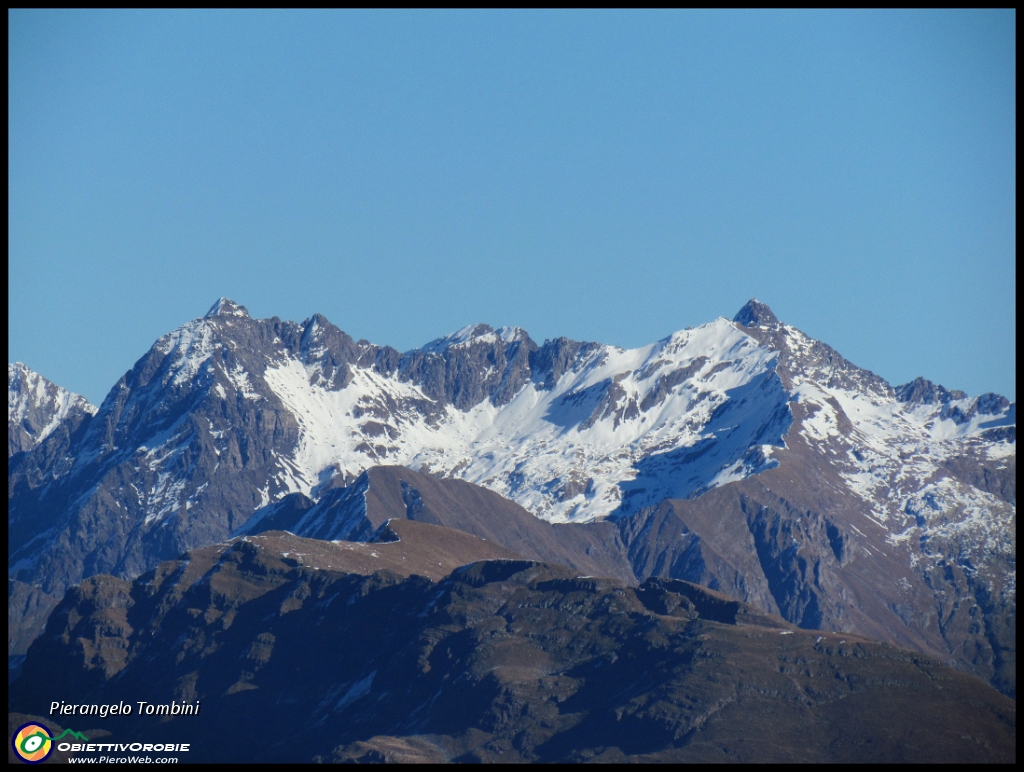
921 391
756 314
226 307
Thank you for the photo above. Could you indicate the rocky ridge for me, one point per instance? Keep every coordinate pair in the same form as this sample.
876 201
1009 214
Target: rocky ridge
37 407
741 454
501 660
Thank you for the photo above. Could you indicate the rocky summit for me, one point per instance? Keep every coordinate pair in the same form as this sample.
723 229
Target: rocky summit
741 455
36 408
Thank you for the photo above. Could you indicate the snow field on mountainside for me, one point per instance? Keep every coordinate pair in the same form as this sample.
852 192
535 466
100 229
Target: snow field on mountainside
892 461
541 450
191 345
529 448
610 435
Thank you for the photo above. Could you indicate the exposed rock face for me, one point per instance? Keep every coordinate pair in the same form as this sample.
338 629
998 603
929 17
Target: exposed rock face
921 391
228 414
472 366
557 357
27 611
503 660
805 357
756 314
36 408
920 493
183 450
741 454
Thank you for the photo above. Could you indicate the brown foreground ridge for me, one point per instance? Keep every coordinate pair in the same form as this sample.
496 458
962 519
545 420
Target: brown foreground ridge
307 650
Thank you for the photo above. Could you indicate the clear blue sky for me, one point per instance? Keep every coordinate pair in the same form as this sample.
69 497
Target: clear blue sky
609 176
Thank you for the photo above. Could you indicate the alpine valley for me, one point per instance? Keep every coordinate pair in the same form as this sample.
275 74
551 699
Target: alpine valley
784 541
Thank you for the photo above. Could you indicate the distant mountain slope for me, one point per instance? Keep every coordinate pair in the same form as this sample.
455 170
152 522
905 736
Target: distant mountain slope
394 492
504 660
741 454
228 414
36 407
912 491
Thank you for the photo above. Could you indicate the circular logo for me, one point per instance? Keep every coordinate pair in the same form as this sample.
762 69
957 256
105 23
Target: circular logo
33 743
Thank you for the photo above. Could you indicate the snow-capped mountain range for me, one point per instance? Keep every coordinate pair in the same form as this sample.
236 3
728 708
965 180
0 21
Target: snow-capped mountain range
227 415
561 444
35 407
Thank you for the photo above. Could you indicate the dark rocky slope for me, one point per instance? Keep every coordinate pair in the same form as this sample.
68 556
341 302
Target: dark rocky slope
505 660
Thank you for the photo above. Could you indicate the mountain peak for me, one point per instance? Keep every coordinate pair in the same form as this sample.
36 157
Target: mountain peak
226 307
756 314
465 335
923 392
36 407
